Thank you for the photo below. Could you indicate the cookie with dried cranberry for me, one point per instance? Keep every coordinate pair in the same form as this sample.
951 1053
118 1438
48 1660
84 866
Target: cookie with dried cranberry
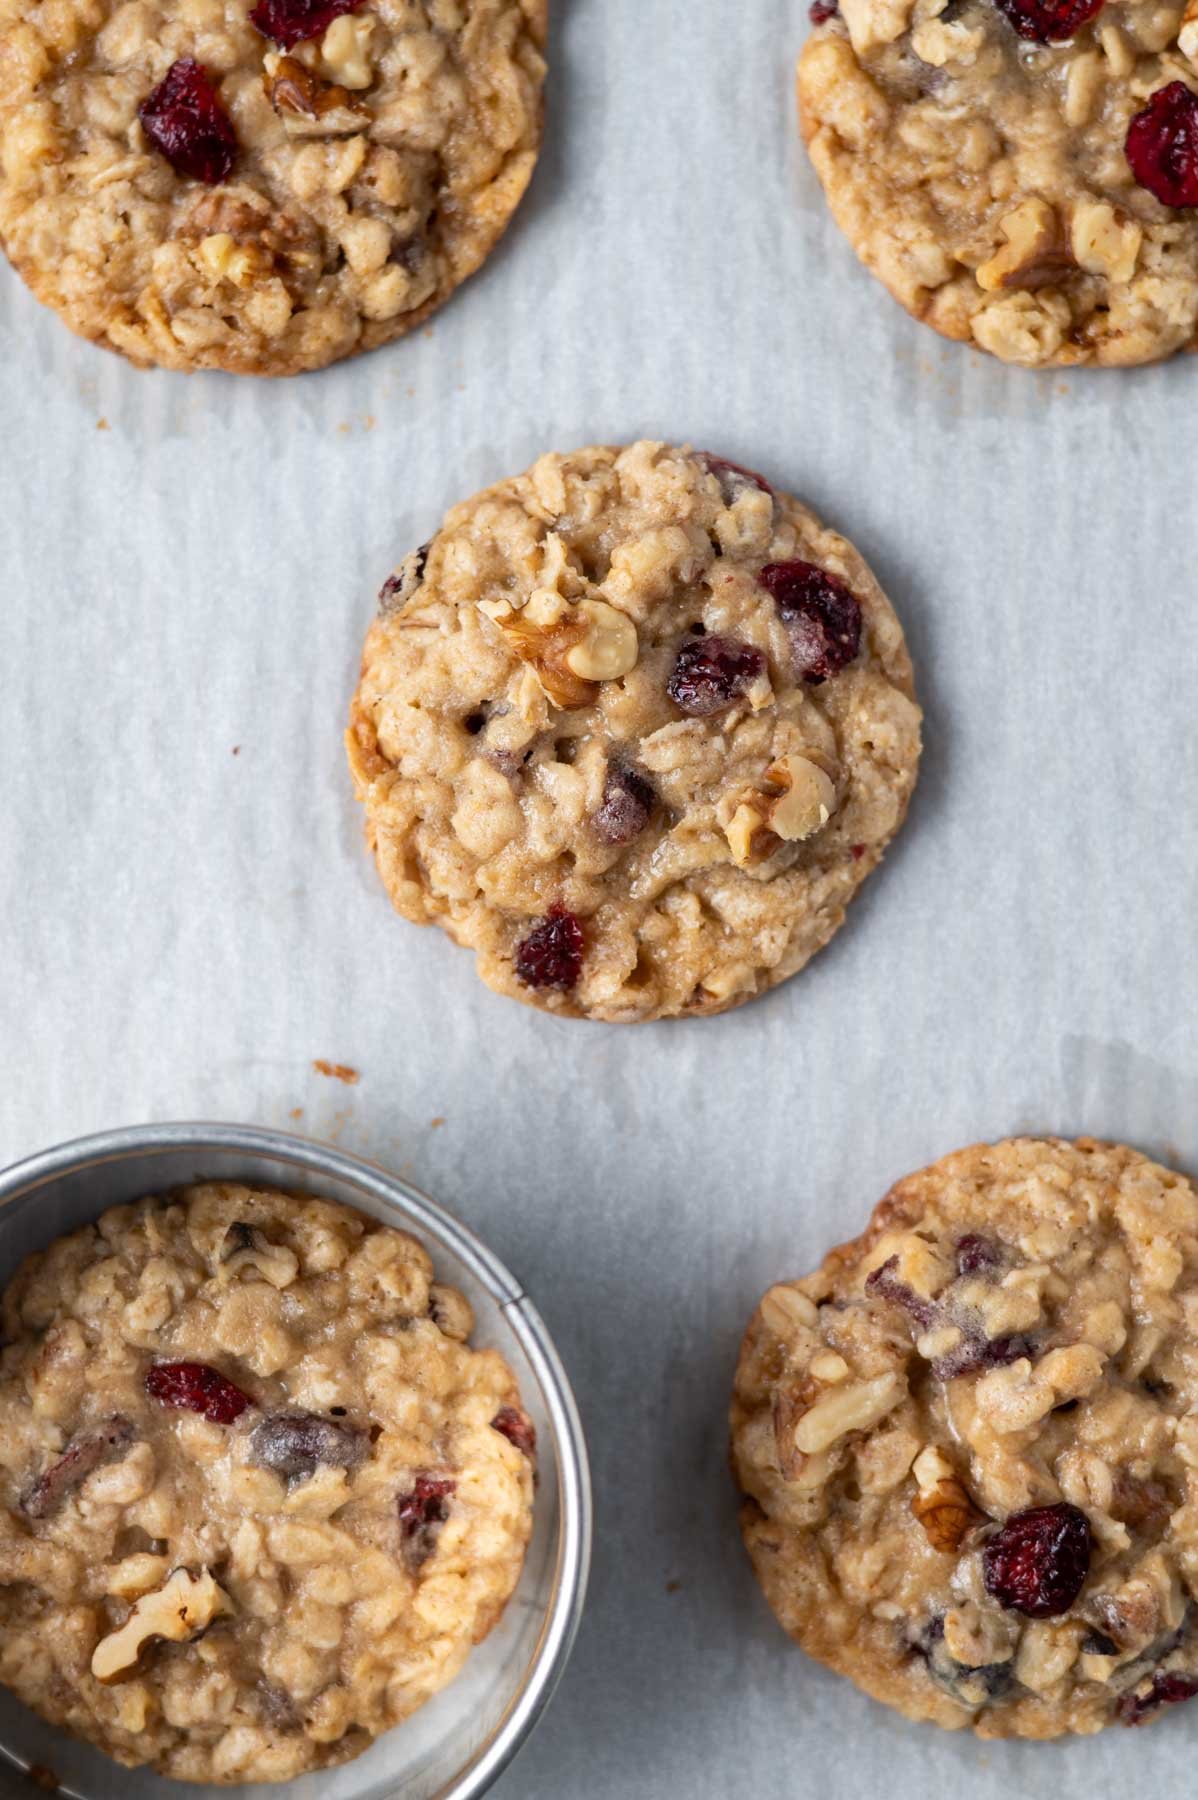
968 1444
634 727
1021 174
266 187
259 1493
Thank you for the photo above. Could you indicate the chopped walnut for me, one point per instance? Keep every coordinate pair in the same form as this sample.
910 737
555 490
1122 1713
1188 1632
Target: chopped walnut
941 1504
1034 253
180 1610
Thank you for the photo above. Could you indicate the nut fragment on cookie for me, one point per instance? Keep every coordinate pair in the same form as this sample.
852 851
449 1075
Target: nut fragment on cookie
357 164
941 1503
181 1609
960 1490
633 726
250 1453
1032 253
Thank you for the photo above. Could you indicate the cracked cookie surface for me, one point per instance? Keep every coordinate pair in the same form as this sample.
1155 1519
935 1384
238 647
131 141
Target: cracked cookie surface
969 1443
258 1494
634 727
326 193
980 168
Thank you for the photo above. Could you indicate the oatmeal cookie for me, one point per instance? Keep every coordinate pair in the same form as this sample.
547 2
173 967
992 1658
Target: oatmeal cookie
634 727
1022 174
261 188
969 1444
258 1494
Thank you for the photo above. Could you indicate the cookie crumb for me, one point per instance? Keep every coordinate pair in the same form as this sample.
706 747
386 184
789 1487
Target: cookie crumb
39 1775
434 1123
297 1112
673 1587
337 1071
103 425
237 749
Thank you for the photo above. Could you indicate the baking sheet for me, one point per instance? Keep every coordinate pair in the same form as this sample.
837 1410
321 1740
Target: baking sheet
188 919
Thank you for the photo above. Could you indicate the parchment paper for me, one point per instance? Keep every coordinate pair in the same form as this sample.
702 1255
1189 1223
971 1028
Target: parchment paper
188 918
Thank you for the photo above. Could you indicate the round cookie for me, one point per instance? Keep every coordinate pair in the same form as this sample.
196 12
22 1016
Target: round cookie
634 727
969 1443
258 1494
261 187
1021 174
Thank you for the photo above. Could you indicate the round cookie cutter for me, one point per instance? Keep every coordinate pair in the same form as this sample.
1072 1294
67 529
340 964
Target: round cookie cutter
456 1746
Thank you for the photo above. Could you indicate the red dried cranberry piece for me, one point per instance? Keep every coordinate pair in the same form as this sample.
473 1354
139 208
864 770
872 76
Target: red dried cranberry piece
711 673
977 1255
1162 145
821 616
517 1428
197 1388
551 955
1037 1563
820 11
186 122
1166 1690
289 22
628 800
733 478
1049 21
421 1516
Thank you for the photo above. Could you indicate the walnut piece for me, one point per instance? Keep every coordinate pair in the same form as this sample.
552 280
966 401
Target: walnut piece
941 1503
804 798
542 634
608 648
184 1606
345 51
1034 253
1105 242
305 103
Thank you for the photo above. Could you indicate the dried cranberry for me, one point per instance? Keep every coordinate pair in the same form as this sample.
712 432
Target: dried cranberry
627 802
821 616
197 1388
295 1445
81 1456
517 1428
186 122
421 1516
1049 21
551 955
732 477
290 22
820 11
884 1281
977 1255
1166 1690
711 673
1037 1563
1162 145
